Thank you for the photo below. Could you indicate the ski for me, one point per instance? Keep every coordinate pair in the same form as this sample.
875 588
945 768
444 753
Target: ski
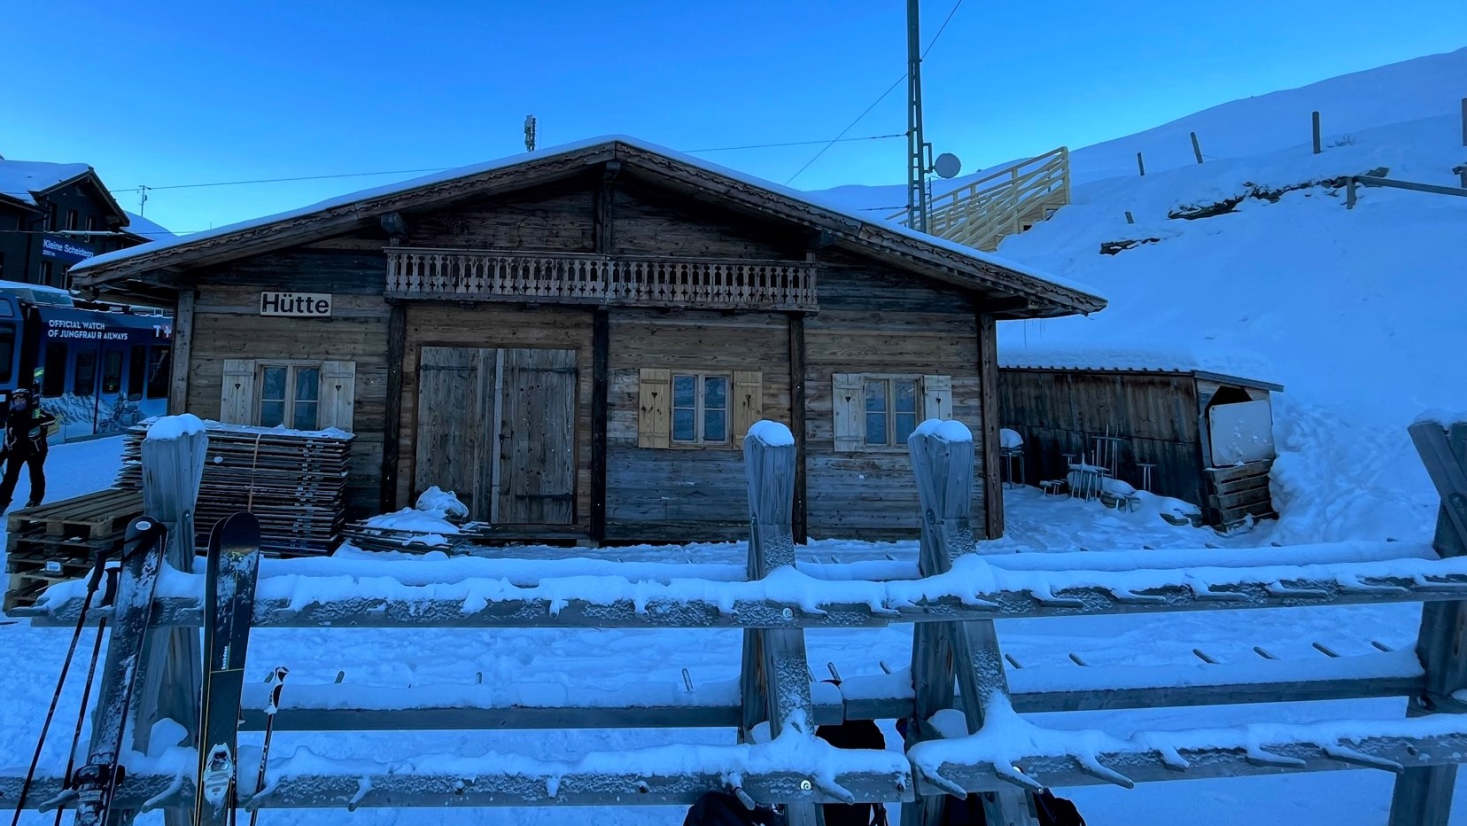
234 561
96 782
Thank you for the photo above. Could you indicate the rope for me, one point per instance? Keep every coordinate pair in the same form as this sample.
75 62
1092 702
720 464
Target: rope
254 463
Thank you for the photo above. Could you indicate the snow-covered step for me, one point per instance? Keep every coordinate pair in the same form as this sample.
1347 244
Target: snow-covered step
972 590
793 768
1012 751
345 707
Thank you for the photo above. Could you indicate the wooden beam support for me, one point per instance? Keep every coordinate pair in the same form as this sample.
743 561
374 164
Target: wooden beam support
392 426
604 218
798 401
394 224
989 403
600 392
183 347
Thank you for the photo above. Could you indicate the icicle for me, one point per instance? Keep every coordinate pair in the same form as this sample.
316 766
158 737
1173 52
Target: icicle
165 797
833 790
1173 759
1128 597
1258 757
1355 585
1015 775
1206 592
1359 758
935 778
364 785
1091 765
1279 589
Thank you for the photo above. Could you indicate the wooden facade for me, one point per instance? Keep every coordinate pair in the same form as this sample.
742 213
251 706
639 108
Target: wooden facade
1161 417
575 343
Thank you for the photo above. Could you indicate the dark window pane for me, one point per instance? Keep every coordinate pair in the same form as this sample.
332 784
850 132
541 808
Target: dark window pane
715 425
137 371
86 373
272 384
112 372
875 428
904 423
683 425
7 351
53 371
159 360
272 413
715 392
904 396
684 391
307 384
305 416
876 396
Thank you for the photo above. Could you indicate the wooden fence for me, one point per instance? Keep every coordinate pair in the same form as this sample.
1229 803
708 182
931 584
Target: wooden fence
1005 202
490 275
956 663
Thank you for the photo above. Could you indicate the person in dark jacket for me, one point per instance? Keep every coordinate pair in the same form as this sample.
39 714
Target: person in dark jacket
26 427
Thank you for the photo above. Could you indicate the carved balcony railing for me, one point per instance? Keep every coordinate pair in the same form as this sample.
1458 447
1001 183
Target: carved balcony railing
578 278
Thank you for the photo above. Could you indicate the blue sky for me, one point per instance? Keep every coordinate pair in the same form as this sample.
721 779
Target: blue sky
167 93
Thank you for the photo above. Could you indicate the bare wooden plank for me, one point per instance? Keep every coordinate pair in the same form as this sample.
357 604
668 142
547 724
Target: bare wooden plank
600 389
799 516
183 342
392 417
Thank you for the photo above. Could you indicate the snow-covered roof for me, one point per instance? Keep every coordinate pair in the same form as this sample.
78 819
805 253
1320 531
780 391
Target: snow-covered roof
151 230
1076 297
1100 358
20 179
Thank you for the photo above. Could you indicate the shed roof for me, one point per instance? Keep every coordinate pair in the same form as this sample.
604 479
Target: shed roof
1025 293
1102 359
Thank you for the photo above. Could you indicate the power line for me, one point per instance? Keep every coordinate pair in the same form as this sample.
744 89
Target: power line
879 98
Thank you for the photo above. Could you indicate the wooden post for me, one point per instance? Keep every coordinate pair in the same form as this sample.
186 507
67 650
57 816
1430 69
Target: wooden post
942 460
392 424
600 391
1130 219
1196 148
1423 796
800 517
172 673
183 345
1350 193
775 682
1140 164
1315 118
1462 170
988 403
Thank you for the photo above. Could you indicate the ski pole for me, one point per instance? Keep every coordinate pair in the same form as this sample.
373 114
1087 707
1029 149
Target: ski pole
93 582
269 730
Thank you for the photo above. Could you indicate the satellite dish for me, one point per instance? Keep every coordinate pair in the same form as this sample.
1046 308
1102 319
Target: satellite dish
947 165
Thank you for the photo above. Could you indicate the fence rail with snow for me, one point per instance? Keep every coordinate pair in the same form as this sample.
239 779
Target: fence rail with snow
961 695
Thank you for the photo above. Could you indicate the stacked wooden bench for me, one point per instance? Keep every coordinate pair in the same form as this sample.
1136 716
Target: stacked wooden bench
293 481
54 542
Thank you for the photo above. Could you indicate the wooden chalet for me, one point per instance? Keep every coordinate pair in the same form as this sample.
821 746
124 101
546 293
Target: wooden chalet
575 341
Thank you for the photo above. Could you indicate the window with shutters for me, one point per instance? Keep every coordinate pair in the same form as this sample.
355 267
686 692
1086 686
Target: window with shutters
878 411
695 408
303 395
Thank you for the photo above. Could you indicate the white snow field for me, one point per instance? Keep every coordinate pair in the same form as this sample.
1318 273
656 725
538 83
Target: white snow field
1356 312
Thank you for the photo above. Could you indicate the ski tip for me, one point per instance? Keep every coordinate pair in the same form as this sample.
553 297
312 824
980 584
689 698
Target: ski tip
144 527
240 527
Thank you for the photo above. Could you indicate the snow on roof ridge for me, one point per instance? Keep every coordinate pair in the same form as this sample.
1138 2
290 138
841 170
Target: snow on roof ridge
18 178
511 160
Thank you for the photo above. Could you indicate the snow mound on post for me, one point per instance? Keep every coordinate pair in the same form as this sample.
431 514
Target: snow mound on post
444 502
175 427
1009 438
948 430
774 434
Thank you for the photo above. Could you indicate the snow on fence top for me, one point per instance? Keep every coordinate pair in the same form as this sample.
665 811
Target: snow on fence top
175 427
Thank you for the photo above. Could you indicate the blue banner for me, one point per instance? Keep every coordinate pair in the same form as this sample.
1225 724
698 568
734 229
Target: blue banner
64 249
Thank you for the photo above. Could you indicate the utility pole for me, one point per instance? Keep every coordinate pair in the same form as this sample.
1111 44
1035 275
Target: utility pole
142 198
529 133
916 147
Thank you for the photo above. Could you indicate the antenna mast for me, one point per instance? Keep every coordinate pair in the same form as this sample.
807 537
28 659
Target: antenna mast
917 149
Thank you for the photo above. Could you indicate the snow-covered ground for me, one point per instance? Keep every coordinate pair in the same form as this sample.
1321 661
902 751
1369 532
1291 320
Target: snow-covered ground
1356 312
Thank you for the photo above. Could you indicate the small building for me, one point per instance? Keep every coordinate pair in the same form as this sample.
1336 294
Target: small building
53 215
575 341
1208 436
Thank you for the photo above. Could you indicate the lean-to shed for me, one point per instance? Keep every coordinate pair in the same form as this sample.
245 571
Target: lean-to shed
576 340
1207 435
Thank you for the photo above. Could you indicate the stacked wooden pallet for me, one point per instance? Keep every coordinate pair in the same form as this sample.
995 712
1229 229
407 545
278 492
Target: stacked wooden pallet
293 481
60 541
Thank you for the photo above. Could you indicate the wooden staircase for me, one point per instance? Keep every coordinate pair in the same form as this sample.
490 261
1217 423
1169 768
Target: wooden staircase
1004 202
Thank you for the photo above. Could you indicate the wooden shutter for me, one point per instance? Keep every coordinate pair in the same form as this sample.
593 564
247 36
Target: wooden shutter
748 402
846 400
654 408
237 392
937 397
338 393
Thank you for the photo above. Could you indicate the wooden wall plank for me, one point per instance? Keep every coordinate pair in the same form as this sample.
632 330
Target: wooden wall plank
799 518
600 387
392 412
989 480
183 340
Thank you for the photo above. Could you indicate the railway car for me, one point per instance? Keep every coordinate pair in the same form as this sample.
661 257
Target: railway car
99 370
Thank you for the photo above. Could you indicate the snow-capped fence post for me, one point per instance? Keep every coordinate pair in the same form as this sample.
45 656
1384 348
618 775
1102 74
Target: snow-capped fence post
1314 118
775 679
1196 148
942 460
172 672
1424 795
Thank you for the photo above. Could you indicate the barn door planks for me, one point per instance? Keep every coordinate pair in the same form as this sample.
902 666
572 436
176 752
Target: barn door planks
455 406
537 466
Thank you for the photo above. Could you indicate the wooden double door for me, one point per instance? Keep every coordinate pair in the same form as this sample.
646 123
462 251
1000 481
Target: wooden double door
497 426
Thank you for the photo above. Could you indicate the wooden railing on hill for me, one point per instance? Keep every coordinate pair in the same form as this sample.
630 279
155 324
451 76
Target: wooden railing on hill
956 664
578 278
1005 202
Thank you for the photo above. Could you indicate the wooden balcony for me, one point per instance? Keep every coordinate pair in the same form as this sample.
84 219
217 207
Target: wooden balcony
574 278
